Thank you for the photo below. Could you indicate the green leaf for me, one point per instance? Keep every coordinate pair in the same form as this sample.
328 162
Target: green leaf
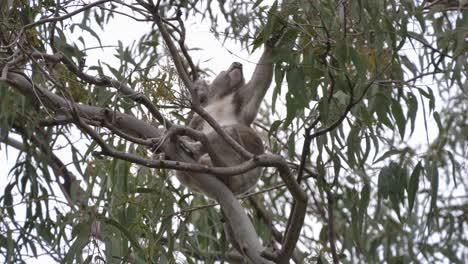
409 64
367 150
296 84
391 31
439 123
431 100
257 3
91 31
342 54
88 259
117 74
399 117
433 173
429 95
279 76
418 37
454 166
392 184
354 145
363 204
274 127
336 164
295 97
382 104
150 43
269 27
388 154
323 235
355 224
292 145
122 229
413 185
342 97
8 200
81 231
5 7
77 161
412 110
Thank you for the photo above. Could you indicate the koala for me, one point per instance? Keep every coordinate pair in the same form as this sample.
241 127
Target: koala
234 104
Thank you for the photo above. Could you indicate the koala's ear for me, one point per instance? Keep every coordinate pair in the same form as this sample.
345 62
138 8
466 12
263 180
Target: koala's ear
200 85
201 88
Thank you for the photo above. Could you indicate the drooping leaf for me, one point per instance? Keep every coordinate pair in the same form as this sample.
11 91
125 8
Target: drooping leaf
413 185
397 113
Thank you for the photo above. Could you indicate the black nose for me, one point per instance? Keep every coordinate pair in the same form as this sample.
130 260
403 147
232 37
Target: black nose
237 65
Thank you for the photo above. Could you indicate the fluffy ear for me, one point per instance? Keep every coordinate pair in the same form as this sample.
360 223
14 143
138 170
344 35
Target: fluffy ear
201 88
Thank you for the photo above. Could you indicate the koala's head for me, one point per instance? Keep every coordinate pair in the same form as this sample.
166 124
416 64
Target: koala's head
228 81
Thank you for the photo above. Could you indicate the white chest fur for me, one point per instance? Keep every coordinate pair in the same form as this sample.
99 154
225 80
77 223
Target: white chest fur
222 111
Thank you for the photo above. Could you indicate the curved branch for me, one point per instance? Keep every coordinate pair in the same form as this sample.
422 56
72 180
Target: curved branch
123 122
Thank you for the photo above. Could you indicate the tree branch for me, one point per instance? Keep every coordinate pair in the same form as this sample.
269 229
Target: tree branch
178 62
105 81
60 18
124 122
182 46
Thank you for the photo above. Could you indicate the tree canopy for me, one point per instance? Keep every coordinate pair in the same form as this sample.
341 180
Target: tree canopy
365 123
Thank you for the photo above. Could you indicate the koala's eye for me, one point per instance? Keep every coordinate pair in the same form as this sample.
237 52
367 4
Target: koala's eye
203 99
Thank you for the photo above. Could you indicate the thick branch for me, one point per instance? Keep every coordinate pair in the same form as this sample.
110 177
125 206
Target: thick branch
123 122
267 218
105 81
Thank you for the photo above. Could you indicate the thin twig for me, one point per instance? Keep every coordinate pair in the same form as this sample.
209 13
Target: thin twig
169 43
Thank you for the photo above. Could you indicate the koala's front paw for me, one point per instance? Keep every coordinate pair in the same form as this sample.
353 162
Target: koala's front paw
195 148
205 160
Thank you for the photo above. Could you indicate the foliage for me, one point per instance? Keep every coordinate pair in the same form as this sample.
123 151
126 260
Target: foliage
370 96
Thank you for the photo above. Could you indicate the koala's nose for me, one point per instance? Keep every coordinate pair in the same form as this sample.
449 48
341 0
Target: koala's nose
237 65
